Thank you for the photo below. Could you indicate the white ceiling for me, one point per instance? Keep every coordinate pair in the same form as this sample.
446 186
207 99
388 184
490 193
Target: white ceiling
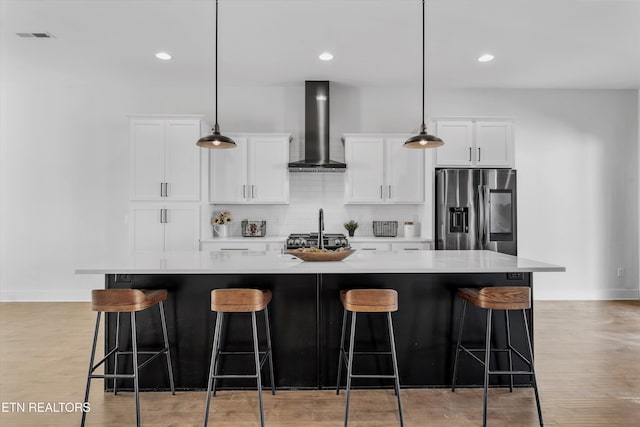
537 43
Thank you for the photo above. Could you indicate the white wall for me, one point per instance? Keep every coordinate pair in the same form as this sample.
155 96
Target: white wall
64 167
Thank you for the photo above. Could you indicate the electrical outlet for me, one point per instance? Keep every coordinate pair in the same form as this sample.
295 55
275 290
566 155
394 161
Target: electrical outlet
514 276
123 278
621 272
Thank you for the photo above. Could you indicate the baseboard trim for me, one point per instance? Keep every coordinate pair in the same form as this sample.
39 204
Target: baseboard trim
45 296
588 295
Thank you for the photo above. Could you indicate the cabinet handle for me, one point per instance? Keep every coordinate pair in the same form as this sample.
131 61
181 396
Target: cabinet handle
243 191
389 191
411 249
478 153
161 218
381 191
369 249
234 249
165 216
166 189
469 153
162 189
253 191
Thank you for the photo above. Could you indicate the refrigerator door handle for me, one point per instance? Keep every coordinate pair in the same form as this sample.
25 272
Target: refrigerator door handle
480 222
486 208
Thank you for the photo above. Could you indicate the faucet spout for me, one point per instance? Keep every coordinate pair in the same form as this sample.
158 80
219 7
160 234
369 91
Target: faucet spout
320 229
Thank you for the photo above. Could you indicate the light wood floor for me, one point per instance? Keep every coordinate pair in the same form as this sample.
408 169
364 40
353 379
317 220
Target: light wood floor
587 358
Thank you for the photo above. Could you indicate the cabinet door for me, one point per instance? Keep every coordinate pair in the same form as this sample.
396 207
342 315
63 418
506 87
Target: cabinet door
268 173
147 159
147 230
181 228
405 173
182 164
228 174
365 170
494 143
458 143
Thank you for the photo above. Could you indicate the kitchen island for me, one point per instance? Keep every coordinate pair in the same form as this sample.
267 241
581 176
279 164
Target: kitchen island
306 313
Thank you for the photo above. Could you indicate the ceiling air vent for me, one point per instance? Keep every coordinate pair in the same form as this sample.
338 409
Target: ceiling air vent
37 35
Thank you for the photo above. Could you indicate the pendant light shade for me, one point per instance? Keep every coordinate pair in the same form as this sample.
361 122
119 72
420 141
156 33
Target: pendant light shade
423 140
216 140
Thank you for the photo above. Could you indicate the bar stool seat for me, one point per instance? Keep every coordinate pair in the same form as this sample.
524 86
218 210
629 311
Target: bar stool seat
127 301
239 300
370 301
505 298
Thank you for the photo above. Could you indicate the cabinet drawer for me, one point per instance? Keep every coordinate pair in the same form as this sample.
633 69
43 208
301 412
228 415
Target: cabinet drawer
418 246
371 246
233 246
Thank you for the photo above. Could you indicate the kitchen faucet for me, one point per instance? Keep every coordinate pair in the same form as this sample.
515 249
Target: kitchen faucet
320 229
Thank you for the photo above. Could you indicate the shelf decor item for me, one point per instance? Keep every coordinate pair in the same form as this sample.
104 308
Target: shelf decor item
385 228
351 227
423 140
320 255
220 223
215 140
253 228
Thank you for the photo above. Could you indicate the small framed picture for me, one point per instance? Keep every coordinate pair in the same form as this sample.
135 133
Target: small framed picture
253 228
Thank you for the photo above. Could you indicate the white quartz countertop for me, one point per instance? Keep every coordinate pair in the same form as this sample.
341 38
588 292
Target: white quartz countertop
202 262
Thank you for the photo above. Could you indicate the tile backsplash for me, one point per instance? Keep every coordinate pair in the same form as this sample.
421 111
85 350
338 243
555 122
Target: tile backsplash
308 193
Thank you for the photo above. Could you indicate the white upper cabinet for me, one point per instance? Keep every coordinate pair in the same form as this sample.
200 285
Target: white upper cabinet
255 172
381 170
165 162
475 143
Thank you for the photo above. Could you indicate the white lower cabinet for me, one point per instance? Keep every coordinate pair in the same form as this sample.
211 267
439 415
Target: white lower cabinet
164 227
391 246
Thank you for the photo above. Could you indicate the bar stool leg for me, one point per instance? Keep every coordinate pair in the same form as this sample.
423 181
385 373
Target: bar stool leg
214 351
216 365
256 352
350 365
535 383
506 317
115 360
93 355
268 330
455 360
487 359
392 341
341 353
166 347
135 366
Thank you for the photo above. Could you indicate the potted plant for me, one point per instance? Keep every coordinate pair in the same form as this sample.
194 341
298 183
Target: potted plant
351 227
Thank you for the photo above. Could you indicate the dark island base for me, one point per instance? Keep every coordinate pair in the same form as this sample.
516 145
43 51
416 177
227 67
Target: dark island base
306 317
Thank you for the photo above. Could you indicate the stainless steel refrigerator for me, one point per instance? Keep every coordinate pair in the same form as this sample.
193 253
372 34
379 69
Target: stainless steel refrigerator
476 209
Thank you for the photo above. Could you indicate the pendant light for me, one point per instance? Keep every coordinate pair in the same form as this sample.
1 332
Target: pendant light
215 140
423 140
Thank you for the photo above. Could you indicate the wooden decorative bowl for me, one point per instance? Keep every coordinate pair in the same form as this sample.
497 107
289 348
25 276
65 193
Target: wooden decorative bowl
321 256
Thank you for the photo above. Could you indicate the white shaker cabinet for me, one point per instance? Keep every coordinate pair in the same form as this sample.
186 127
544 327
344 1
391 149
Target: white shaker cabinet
380 170
164 160
475 143
255 172
164 227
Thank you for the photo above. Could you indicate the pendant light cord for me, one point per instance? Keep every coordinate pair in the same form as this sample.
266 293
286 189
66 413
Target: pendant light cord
216 59
423 48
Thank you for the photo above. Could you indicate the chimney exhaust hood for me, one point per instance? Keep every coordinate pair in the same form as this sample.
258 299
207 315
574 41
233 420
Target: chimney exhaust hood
316 131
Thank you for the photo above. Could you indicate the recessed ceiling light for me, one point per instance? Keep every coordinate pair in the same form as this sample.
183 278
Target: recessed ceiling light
325 56
163 55
486 57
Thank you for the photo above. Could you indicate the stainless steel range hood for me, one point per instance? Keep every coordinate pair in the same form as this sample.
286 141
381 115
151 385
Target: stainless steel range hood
316 131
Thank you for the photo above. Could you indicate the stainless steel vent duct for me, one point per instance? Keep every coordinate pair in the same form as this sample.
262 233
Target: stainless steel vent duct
316 131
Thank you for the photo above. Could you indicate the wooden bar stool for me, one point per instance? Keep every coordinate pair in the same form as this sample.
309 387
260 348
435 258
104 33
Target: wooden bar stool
497 298
123 301
367 301
240 301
